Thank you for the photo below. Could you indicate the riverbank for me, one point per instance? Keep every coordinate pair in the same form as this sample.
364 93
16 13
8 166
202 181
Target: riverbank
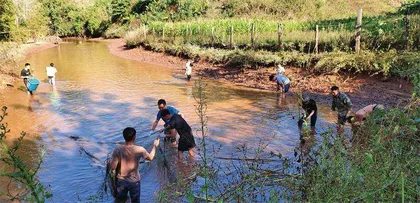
362 89
10 71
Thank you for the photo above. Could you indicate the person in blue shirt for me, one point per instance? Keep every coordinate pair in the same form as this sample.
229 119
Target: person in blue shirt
172 110
283 82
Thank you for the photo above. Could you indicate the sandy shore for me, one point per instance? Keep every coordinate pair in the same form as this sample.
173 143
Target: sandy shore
362 89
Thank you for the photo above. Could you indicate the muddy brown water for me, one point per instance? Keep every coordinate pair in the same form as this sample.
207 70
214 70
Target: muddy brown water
97 95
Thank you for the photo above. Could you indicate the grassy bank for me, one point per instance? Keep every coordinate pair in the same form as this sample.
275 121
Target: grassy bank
389 43
402 64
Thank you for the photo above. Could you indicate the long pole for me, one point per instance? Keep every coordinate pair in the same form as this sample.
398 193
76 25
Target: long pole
358 31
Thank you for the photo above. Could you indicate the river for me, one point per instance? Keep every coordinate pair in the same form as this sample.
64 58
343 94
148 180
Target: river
97 95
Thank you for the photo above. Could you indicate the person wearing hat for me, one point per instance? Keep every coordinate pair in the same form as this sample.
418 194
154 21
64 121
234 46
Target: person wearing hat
311 111
25 74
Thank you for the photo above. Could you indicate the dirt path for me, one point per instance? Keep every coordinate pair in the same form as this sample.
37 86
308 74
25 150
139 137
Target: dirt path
362 89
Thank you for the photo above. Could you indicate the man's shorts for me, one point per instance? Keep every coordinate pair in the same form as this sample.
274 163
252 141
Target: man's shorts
186 142
286 87
342 117
123 187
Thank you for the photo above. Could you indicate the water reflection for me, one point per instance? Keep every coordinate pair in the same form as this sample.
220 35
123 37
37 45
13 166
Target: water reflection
97 95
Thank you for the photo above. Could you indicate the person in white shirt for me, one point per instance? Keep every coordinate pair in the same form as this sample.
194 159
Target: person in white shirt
280 69
188 70
51 70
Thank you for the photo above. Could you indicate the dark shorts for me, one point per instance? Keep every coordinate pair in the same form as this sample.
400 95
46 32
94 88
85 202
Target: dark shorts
189 77
124 187
50 77
186 143
342 118
286 87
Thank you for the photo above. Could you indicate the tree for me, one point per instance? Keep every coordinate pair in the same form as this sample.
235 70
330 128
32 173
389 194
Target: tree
7 18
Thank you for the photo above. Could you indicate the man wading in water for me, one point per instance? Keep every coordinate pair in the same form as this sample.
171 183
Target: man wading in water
25 74
128 157
172 110
186 138
342 104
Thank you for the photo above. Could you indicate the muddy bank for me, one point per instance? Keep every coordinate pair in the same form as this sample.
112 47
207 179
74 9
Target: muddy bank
362 89
8 79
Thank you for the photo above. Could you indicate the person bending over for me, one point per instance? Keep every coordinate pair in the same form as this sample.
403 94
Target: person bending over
161 106
311 111
283 82
361 114
186 139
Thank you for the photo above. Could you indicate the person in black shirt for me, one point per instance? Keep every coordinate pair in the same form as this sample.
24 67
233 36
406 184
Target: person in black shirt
25 74
311 111
186 139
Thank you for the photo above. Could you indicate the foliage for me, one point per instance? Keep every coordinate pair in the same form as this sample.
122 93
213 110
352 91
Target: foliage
120 11
174 10
17 171
7 18
67 18
380 164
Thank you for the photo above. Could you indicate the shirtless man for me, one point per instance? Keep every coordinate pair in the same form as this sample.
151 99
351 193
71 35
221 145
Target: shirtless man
128 156
366 111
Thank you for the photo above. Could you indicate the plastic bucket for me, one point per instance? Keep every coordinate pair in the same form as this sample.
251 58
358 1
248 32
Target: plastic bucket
33 84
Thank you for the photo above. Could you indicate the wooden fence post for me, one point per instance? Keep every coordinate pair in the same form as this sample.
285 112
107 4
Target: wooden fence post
212 36
252 35
279 35
358 31
316 39
231 37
